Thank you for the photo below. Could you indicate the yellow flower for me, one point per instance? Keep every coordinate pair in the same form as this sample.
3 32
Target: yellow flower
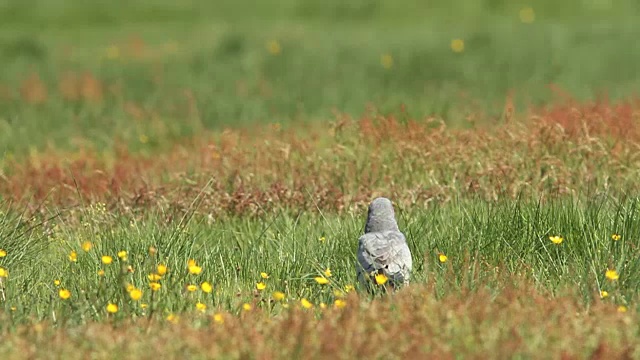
155 286
306 303
73 256
278 295
381 279
3 273
122 254
191 288
3 253
386 61
172 318
603 294
135 294
612 275
64 294
86 246
191 262
201 307
349 288
217 317
321 280
246 307
457 45
261 286
323 305
162 269
195 269
527 15
206 287
556 239
129 287
100 272
622 308
112 308
616 237
322 239
56 282
264 275
339 304
327 272
442 258
144 306
154 277
106 259
274 47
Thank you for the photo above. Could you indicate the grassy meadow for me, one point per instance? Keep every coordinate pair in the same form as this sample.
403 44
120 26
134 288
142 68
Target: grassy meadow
190 179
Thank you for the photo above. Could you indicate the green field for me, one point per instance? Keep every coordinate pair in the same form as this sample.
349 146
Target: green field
191 179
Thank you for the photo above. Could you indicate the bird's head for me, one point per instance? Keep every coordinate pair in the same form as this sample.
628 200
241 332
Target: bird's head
381 216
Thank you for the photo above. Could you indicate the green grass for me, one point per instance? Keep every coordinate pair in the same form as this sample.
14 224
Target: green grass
487 244
330 61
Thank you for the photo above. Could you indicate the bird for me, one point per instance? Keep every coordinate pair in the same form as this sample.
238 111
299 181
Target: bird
384 257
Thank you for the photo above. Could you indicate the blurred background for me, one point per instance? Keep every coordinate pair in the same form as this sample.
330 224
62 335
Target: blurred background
146 72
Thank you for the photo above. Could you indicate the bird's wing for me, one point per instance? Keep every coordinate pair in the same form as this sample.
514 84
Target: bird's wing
386 251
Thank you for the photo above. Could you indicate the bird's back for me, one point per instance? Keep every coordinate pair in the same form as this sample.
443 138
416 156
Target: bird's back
384 252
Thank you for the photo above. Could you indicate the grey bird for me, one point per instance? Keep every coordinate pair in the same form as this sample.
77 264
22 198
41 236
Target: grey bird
383 248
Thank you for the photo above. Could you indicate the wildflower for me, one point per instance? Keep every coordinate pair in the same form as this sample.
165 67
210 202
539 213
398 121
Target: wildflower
3 273
322 239
191 288
64 294
527 15
321 280
155 286
442 258
622 308
327 272
611 275
339 303
106 259
616 237
264 275
100 272
306 303
349 288
144 306
386 61
112 308
206 287
261 286
135 294
161 269
278 296
73 256
129 287
56 282
154 277
323 305
86 246
172 318
122 254
274 47
603 294
246 307
195 269
3 253
457 45
130 269
381 279
556 239
201 307
217 317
